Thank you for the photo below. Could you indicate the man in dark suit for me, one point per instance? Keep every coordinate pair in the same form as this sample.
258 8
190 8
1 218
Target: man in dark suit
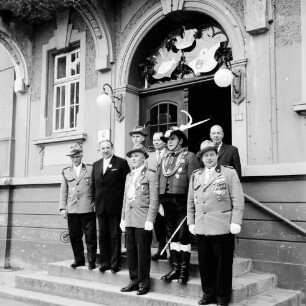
109 174
227 155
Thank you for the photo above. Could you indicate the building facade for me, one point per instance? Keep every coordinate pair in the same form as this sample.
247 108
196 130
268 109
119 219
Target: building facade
153 54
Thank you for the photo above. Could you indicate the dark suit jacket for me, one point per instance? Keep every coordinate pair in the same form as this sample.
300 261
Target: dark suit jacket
228 156
109 187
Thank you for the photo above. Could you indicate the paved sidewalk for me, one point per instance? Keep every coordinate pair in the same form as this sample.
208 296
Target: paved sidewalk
7 282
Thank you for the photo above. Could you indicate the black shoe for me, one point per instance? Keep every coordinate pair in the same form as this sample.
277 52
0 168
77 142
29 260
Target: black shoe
115 270
103 269
91 266
77 264
157 256
142 291
205 300
130 287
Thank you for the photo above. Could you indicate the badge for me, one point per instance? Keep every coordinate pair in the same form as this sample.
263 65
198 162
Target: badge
220 190
109 165
177 176
180 170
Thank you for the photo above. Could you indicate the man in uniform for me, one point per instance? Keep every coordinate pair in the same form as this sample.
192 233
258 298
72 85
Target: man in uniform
139 211
76 204
109 174
174 176
227 155
214 213
154 162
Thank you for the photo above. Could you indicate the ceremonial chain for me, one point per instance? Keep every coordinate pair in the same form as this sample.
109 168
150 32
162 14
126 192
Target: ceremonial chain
180 158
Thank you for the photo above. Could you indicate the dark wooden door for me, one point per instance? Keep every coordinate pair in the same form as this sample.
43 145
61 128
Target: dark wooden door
202 100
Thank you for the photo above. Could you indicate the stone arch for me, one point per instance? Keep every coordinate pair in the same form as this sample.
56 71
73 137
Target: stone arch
220 11
101 34
22 78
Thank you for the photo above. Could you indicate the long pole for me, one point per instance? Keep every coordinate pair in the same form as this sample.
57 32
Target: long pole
162 252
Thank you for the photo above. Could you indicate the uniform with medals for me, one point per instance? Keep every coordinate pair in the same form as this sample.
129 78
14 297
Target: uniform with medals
76 199
214 213
174 174
140 206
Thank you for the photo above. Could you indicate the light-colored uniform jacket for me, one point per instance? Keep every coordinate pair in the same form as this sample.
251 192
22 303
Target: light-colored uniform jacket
213 206
144 205
76 195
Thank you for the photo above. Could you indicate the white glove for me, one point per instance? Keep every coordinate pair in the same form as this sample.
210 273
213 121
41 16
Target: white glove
122 225
192 229
148 226
64 213
235 228
161 210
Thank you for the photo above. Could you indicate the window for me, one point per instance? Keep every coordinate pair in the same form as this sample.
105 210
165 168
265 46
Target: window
162 116
66 91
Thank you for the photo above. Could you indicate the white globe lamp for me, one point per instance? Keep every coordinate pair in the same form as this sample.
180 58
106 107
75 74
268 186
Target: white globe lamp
104 100
223 77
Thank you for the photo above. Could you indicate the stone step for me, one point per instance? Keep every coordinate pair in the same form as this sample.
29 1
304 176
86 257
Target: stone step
240 265
110 294
244 286
27 297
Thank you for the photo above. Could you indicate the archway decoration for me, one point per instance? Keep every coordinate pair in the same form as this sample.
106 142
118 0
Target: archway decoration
221 11
186 53
21 80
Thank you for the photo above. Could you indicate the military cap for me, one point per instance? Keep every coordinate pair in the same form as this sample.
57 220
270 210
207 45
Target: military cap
175 131
75 149
140 149
138 130
206 146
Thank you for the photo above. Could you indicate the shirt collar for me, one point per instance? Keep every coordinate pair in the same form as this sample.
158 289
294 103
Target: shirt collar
77 167
139 169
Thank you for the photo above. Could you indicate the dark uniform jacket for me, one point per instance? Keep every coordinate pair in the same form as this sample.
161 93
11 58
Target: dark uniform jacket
178 183
213 206
228 156
76 194
109 187
143 206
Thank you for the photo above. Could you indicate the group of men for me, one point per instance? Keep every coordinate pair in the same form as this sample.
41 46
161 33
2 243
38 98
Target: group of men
181 193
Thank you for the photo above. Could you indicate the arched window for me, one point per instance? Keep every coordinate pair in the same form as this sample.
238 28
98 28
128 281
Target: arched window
162 116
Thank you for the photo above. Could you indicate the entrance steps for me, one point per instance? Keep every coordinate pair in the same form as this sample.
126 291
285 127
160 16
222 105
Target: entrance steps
62 285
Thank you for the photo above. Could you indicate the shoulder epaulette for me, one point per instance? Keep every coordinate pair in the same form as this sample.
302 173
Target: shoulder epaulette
152 170
65 169
89 165
194 171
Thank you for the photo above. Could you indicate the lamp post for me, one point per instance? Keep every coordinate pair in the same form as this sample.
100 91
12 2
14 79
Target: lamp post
106 99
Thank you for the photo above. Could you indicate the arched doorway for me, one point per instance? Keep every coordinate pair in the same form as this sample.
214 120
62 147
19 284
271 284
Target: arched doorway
167 91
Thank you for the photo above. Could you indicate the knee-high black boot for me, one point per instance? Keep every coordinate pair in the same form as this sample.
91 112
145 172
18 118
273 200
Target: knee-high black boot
175 272
185 263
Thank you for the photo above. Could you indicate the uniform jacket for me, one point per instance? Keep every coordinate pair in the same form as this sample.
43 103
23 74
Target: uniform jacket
178 183
76 194
213 206
228 156
109 187
144 205
152 160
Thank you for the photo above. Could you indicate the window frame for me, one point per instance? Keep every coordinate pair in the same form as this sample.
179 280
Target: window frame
66 82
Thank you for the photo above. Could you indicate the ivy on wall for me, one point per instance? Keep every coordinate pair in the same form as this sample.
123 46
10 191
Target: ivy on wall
36 10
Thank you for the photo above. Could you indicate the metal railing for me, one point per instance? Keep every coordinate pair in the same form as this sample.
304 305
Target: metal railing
275 214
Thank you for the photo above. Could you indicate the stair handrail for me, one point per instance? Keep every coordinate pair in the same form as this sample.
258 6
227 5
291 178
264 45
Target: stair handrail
275 214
